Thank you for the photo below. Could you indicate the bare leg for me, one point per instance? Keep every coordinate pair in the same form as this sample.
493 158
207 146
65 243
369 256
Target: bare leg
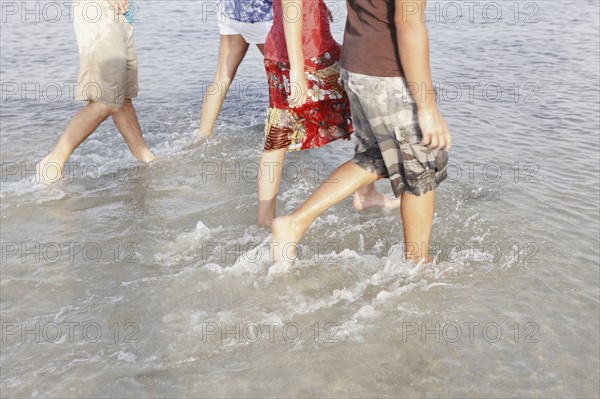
368 197
417 219
232 51
271 167
49 170
288 230
126 121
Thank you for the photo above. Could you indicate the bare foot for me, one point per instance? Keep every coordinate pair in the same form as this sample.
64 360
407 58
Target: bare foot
48 172
203 135
286 235
199 139
374 199
147 158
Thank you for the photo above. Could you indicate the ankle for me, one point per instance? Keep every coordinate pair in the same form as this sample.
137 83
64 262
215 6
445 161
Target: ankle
365 192
147 157
265 223
299 223
205 133
52 161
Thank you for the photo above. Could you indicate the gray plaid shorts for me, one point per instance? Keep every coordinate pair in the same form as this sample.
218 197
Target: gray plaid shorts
386 129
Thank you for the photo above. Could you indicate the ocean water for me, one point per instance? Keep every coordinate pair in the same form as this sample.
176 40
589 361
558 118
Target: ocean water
127 280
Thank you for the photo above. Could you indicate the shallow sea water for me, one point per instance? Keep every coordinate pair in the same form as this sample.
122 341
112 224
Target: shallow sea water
152 281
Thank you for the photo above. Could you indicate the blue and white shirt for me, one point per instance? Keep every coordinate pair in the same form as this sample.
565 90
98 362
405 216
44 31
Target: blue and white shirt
249 11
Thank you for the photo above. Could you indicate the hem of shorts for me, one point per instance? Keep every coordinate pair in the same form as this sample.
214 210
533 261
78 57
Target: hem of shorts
368 166
110 104
244 37
255 42
418 191
423 189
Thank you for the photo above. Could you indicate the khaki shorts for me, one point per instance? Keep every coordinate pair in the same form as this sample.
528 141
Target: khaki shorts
108 60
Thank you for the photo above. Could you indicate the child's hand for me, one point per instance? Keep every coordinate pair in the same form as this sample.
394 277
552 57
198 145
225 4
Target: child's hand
298 89
434 128
120 6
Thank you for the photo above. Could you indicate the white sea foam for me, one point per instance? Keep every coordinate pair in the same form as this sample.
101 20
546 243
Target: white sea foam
362 285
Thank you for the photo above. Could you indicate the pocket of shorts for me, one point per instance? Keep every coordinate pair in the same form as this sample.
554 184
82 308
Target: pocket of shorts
405 121
365 86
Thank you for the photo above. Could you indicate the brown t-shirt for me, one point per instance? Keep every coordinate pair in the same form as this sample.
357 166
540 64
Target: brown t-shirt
370 43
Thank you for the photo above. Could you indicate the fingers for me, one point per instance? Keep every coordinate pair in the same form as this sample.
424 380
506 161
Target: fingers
302 98
293 96
298 96
297 100
426 137
116 6
448 141
437 139
119 6
436 135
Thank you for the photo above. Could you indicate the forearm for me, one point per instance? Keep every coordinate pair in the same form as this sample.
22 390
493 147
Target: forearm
413 47
292 28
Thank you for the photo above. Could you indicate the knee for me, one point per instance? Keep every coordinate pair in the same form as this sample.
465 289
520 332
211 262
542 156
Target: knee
126 107
126 104
104 110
